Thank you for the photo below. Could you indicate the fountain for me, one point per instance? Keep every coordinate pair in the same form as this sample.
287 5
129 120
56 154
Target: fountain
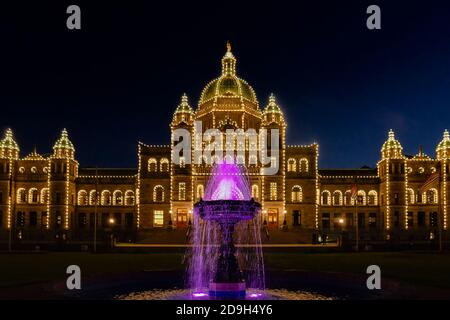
226 215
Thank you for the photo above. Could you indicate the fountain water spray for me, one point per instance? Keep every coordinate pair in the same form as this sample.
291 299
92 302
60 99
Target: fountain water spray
226 215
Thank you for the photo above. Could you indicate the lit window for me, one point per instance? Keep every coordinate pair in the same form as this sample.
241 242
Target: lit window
152 166
296 194
182 191
255 191
158 218
292 165
273 191
158 193
200 191
303 165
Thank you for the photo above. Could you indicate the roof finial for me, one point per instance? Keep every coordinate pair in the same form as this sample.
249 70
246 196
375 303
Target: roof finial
228 46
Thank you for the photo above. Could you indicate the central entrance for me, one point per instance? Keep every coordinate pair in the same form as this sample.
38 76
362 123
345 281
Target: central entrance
182 218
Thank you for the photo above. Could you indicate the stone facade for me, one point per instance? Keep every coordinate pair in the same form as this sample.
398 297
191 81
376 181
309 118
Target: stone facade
52 197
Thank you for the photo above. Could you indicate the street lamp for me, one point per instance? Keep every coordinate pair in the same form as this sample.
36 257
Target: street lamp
112 221
341 223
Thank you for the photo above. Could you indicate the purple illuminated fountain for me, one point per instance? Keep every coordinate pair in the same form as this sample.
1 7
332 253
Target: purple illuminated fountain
226 215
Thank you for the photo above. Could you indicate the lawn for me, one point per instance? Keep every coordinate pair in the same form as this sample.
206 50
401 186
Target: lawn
420 268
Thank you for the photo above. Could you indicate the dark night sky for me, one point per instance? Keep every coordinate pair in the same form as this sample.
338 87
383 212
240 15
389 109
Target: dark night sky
119 79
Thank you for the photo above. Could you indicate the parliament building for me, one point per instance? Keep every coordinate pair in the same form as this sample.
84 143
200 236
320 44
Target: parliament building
51 198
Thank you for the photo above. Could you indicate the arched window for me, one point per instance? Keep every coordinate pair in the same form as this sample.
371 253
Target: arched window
158 193
152 165
255 191
33 195
106 198
44 195
372 199
82 198
117 198
129 198
296 194
292 165
432 196
92 197
21 195
326 195
349 201
362 198
200 191
410 198
304 165
337 198
164 165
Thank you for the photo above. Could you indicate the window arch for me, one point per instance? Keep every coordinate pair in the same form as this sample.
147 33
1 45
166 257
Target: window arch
410 198
82 198
337 198
105 198
303 165
255 191
92 197
158 193
432 196
152 165
44 195
117 199
362 197
164 165
326 198
296 194
33 195
349 201
129 198
200 191
372 199
292 165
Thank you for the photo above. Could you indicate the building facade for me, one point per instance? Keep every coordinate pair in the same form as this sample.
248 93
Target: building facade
46 198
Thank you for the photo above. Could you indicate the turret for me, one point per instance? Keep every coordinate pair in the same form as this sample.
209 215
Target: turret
443 148
63 147
8 146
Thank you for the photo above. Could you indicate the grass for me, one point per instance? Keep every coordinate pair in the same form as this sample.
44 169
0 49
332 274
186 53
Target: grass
23 268
420 268
416 268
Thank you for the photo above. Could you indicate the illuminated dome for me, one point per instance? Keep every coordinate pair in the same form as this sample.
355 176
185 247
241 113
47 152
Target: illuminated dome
183 114
272 113
8 141
228 84
392 147
8 146
443 148
184 106
63 146
272 107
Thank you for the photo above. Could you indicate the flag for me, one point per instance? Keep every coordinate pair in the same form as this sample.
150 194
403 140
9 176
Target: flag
429 182
354 191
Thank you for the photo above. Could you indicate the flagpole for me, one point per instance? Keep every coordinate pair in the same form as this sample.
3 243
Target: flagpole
11 217
356 214
95 209
440 211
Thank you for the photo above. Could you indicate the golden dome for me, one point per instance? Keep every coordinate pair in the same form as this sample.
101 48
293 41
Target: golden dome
228 84
392 147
